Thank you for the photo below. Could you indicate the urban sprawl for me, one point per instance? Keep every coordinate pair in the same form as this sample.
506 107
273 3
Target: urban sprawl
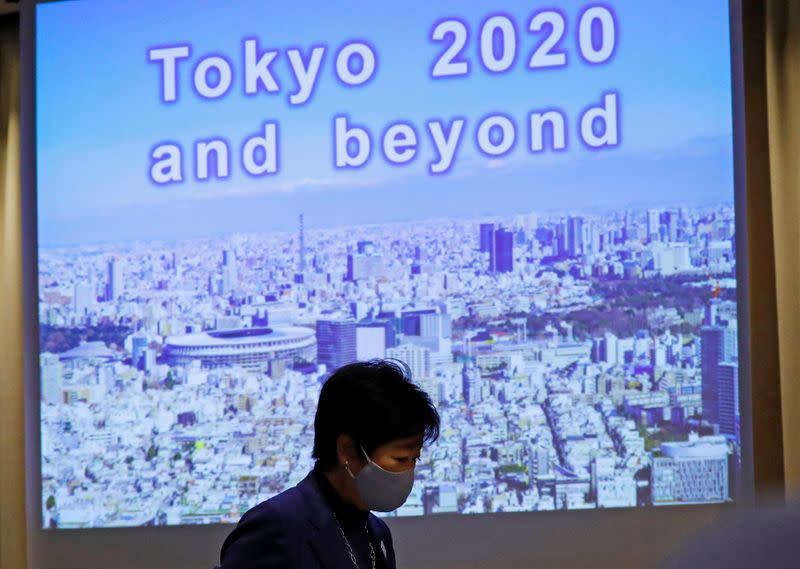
577 360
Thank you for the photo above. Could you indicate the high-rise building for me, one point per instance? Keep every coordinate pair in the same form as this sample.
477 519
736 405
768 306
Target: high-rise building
561 248
531 222
428 328
721 313
336 342
672 258
710 314
417 358
411 321
52 378
360 310
471 385
228 257
489 243
115 283
609 349
301 261
593 240
365 248
711 353
278 313
503 258
416 263
691 472
435 325
487 238
370 342
229 273
731 341
575 236
363 266
83 298
653 224
728 398
669 226
718 344
387 325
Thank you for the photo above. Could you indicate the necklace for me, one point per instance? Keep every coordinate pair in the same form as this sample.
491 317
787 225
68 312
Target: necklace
350 549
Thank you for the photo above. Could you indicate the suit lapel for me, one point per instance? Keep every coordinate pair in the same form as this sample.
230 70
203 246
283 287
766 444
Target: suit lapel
329 549
384 544
324 539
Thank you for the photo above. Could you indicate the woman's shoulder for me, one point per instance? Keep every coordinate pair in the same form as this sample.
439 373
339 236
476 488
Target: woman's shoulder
265 532
278 508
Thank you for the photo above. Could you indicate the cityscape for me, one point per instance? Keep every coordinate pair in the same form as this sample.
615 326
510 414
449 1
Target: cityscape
578 360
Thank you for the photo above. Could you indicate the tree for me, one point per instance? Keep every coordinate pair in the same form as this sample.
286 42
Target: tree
152 452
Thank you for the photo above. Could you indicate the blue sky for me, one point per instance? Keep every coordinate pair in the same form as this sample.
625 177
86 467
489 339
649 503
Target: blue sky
99 114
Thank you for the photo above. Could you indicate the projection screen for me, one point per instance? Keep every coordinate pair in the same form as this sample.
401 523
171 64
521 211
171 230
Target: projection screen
531 206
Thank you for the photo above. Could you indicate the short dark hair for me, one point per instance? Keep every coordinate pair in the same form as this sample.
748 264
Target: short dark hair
374 402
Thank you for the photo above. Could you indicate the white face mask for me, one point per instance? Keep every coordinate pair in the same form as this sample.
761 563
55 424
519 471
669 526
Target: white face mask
382 490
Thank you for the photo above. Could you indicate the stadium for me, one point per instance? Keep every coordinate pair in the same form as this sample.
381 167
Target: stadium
252 348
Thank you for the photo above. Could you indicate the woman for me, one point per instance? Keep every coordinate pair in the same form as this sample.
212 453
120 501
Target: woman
369 429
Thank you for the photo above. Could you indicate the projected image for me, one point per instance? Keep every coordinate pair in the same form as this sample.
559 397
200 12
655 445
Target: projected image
532 208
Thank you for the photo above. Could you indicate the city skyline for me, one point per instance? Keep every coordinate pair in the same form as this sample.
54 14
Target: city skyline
289 222
552 395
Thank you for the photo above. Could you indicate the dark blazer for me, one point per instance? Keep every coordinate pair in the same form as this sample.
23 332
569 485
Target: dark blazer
296 530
